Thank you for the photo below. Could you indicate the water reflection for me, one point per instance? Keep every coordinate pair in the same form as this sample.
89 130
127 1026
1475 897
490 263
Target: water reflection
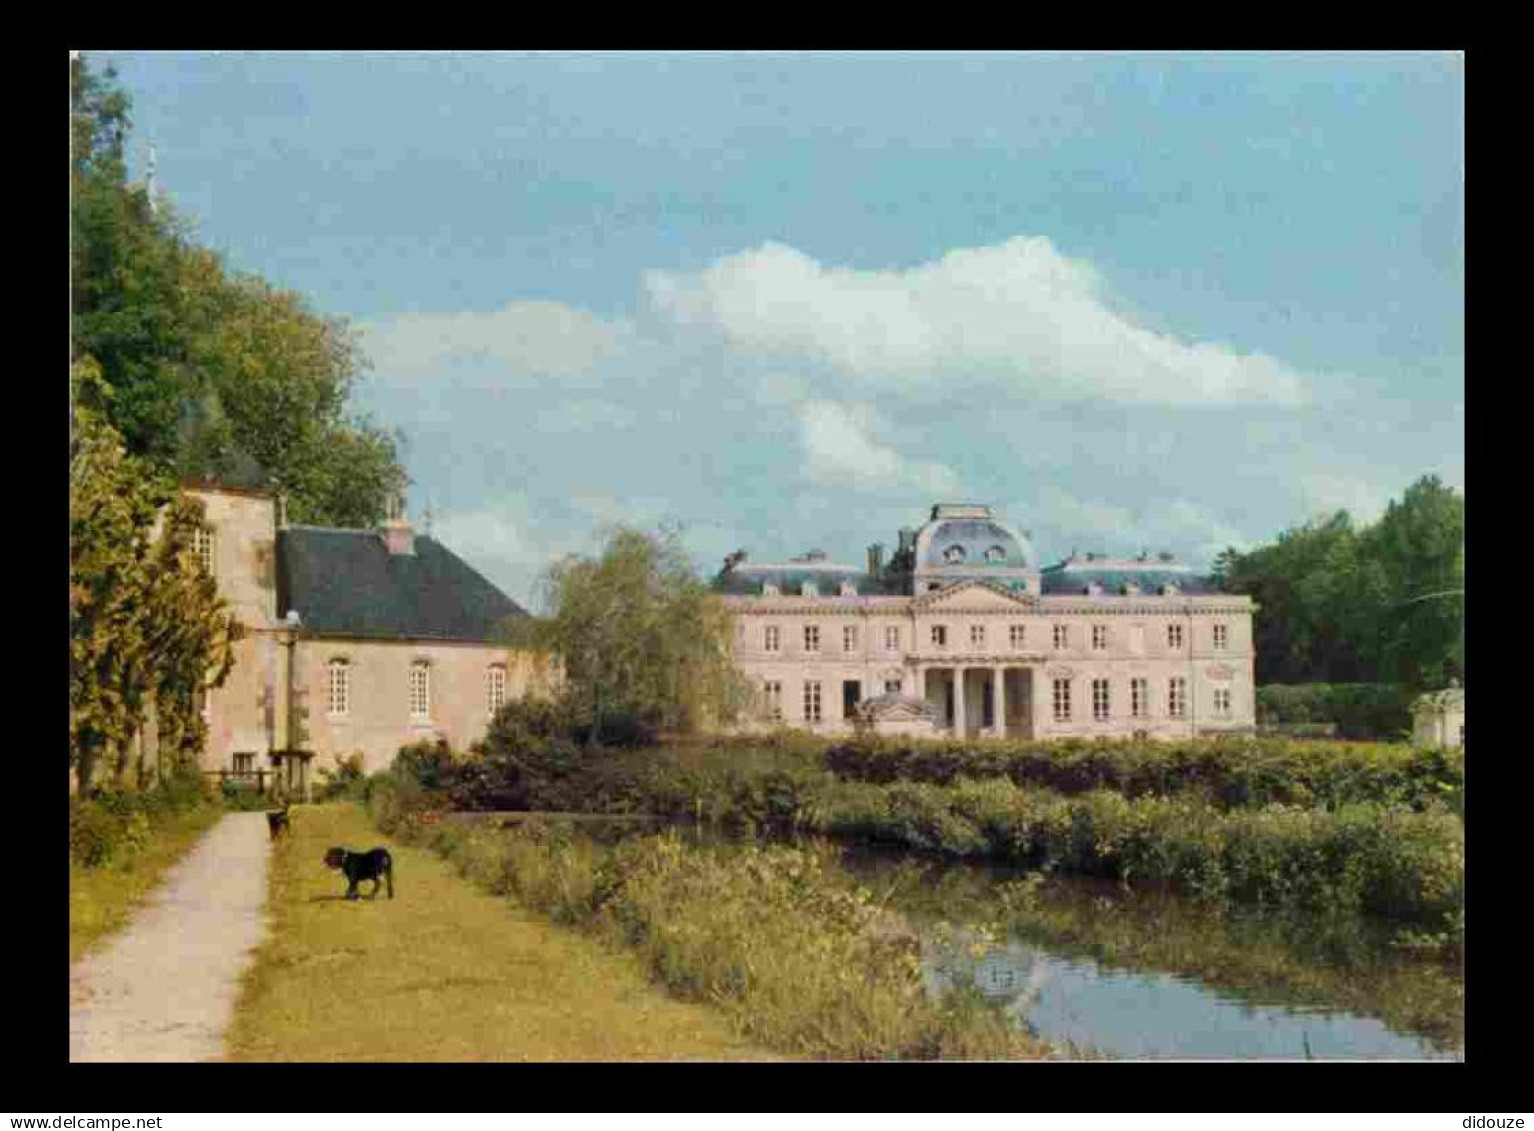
1145 1016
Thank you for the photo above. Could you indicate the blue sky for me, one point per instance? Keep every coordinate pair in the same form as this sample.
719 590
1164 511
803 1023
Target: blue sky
787 301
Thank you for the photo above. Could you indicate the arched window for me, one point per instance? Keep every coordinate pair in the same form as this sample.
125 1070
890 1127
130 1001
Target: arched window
340 686
995 554
954 554
495 687
420 691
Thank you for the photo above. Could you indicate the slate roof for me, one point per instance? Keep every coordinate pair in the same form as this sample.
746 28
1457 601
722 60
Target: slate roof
1075 575
346 583
790 578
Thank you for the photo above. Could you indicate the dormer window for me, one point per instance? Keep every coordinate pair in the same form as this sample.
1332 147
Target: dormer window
769 589
1169 590
1094 589
954 554
809 589
995 554
1131 588
849 589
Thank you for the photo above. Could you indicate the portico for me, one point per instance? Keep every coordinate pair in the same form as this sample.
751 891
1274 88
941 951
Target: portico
988 696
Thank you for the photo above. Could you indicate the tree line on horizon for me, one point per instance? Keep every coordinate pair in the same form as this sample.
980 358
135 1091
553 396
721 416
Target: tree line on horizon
1339 602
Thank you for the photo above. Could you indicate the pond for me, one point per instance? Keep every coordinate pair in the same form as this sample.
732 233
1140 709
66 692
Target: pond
1143 974
1131 972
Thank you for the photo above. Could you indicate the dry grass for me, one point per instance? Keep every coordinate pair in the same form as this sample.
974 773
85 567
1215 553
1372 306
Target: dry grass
443 973
103 899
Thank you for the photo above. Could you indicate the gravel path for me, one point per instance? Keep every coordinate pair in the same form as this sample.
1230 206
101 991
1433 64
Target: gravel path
164 988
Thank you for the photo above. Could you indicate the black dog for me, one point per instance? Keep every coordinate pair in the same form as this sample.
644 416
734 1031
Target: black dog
359 866
277 821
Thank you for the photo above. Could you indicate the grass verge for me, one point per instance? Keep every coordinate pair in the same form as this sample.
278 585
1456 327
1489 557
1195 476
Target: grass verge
801 958
443 972
103 898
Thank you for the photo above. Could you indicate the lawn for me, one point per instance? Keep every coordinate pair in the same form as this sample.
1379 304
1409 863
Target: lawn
443 972
102 899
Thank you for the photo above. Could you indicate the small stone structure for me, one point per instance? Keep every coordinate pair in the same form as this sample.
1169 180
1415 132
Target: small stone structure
1438 718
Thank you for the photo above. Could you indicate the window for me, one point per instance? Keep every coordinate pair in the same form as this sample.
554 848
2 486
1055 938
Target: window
939 636
977 636
1139 698
495 687
1100 700
772 695
1062 700
812 638
954 554
892 686
770 638
995 554
812 702
202 545
1099 637
244 763
1177 696
892 639
340 688
1221 636
1222 702
809 589
1174 636
1061 636
769 589
1015 636
848 589
420 691
849 638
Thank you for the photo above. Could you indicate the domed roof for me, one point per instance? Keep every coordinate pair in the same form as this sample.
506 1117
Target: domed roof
967 535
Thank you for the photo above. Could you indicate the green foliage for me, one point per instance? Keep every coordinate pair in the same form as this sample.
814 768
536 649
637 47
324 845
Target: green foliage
117 824
210 372
1228 772
1350 710
800 956
346 781
642 637
146 623
1382 604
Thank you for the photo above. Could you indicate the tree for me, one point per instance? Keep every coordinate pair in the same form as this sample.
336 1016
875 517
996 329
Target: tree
1342 605
146 624
638 634
210 370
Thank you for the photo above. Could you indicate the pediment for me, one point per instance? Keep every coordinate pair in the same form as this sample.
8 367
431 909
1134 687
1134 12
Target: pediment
976 596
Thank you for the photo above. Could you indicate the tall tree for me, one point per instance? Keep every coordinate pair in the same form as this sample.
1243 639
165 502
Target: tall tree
146 623
1341 605
211 372
639 633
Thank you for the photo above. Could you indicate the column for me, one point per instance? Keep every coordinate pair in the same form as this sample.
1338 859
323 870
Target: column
1043 717
959 721
999 700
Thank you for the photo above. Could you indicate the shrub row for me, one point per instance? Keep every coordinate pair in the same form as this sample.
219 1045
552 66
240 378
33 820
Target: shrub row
1402 865
114 824
1230 772
1355 710
800 957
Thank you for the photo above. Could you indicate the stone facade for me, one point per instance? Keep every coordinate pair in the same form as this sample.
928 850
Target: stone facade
285 691
1090 647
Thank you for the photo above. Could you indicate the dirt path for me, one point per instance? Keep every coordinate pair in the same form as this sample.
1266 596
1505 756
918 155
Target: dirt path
164 989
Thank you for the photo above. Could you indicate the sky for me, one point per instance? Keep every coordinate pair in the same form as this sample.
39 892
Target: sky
788 301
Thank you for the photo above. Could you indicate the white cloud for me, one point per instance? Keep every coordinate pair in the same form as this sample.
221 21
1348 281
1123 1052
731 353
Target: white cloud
1359 492
507 544
535 338
1019 312
1176 523
840 450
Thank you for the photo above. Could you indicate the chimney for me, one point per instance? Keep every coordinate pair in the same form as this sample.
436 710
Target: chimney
875 559
907 539
398 534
